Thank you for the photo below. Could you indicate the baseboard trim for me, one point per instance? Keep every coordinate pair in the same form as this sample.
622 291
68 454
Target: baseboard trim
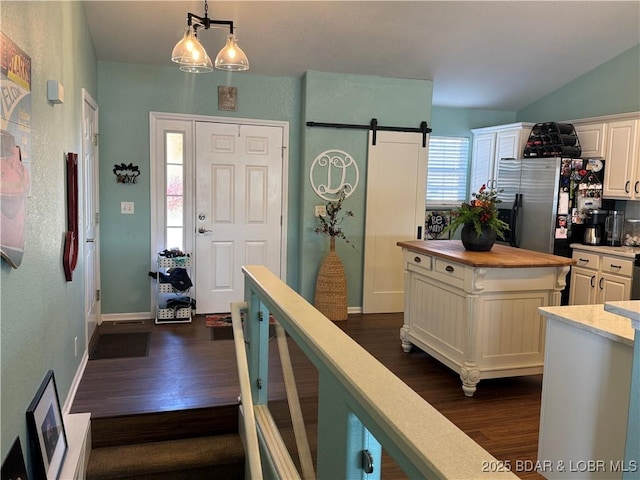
76 382
122 317
354 310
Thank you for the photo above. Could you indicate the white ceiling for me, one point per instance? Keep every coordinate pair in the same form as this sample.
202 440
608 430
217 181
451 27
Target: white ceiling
500 55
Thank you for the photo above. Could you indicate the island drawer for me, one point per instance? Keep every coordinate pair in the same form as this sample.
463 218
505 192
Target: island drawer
417 260
586 259
452 270
617 265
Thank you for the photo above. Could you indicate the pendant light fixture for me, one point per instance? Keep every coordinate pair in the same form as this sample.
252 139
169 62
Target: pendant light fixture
193 58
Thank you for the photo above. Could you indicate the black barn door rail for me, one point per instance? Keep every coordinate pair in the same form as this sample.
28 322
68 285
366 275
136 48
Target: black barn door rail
423 128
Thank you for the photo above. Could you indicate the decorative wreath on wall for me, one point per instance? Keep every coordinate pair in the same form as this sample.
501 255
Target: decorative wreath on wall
332 172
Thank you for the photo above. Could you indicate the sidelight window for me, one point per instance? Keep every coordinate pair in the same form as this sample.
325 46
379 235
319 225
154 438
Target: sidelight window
174 190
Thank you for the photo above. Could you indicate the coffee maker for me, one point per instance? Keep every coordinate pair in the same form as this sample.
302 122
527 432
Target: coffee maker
594 232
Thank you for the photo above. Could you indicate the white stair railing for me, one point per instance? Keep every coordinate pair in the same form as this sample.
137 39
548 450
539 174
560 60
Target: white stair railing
362 406
250 435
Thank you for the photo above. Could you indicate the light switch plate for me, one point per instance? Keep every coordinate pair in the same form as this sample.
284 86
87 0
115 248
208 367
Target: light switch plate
321 211
126 208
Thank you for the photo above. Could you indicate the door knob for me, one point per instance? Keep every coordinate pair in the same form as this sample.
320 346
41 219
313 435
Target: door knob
203 231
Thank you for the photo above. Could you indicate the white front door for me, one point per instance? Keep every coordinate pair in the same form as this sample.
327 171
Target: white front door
396 189
91 227
238 208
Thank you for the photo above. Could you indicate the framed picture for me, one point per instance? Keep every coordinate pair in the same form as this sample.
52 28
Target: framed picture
13 467
227 98
435 223
46 430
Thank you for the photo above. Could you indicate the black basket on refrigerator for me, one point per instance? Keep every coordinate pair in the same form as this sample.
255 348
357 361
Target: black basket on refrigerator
553 139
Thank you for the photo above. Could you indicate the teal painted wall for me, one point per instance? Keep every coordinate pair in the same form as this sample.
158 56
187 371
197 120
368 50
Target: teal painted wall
458 122
351 99
127 94
41 313
613 87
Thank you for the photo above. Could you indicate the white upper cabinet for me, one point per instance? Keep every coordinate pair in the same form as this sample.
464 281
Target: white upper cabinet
591 137
490 145
622 169
483 153
616 138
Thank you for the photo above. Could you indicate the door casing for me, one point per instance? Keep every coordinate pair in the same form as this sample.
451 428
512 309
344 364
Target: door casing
90 216
156 172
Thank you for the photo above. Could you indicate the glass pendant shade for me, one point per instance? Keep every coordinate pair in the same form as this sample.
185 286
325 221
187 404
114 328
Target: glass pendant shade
231 57
204 66
191 55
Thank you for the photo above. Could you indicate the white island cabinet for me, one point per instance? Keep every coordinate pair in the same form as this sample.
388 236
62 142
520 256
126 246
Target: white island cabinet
585 394
477 312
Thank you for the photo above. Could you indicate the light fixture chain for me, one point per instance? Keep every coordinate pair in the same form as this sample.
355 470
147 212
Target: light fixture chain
206 8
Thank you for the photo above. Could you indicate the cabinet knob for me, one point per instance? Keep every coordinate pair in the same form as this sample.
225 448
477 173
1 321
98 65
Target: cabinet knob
600 283
417 259
636 188
450 269
583 260
592 281
626 186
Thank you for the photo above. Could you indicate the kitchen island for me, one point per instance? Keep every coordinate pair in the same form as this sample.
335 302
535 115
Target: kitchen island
477 312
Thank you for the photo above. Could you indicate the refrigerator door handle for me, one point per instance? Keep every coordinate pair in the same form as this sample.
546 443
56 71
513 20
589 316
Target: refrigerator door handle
514 220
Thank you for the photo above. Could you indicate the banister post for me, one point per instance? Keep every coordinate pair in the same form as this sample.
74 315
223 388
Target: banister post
342 437
257 336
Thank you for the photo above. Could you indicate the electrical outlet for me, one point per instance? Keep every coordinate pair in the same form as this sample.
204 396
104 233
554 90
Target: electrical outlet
321 211
126 208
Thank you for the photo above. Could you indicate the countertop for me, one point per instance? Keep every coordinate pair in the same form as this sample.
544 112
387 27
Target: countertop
500 256
629 309
629 252
594 319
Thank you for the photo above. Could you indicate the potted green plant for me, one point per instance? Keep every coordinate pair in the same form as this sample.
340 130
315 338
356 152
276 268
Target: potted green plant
331 284
330 224
479 220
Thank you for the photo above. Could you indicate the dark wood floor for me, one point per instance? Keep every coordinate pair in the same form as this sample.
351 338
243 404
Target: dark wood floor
186 370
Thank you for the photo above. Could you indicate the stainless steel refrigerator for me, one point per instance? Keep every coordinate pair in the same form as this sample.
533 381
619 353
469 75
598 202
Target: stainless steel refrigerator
544 200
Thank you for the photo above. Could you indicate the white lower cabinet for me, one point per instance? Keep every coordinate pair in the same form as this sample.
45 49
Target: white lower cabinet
585 399
598 278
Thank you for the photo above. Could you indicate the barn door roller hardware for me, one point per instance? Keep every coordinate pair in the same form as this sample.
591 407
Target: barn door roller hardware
423 128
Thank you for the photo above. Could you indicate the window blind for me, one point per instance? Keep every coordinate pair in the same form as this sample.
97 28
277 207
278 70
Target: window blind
447 171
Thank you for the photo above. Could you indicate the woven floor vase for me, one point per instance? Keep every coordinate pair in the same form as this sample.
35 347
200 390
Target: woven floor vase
331 287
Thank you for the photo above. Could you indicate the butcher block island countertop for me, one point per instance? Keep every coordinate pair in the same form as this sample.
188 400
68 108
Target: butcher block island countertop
477 312
500 256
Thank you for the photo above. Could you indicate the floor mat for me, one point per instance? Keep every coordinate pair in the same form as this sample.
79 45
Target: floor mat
221 328
121 345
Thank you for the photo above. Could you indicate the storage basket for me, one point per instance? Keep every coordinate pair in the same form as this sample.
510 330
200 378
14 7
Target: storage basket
164 262
172 314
